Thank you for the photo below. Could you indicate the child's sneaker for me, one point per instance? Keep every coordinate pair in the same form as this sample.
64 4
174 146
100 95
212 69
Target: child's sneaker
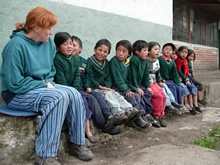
162 122
184 110
112 131
203 102
142 123
176 105
193 111
153 121
198 109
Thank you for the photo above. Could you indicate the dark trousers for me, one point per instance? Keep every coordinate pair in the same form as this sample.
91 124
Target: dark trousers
175 89
146 101
93 104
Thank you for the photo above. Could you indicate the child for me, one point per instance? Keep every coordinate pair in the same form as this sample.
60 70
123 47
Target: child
119 70
158 95
169 72
184 89
67 72
192 57
183 70
104 114
138 79
101 81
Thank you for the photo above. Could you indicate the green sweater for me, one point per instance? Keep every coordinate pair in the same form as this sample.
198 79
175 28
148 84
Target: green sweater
27 64
138 73
67 71
85 72
119 73
168 70
190 68
100 75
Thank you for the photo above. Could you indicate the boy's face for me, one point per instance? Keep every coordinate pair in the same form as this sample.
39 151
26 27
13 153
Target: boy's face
76 48
66 48
168 51
183 53
143 53
101 52
121 53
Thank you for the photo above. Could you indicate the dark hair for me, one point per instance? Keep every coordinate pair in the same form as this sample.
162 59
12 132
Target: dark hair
152 44
125 43
60 38
103 42
169 44
139 45
78 40
181 48
190 51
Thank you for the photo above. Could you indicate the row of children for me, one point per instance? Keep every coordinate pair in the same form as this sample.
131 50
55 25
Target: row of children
134 88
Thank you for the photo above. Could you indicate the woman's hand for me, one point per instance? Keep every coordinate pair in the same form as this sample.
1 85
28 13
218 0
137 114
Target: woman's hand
49 85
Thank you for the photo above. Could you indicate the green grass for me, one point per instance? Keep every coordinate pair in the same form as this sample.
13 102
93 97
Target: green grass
211 141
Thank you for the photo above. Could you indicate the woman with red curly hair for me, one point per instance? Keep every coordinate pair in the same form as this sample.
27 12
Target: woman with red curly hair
27 84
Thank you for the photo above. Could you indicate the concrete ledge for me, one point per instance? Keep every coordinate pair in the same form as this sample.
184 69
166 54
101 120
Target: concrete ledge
18 133
18 136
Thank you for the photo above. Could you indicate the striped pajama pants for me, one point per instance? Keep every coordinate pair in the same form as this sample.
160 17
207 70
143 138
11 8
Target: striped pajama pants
54 105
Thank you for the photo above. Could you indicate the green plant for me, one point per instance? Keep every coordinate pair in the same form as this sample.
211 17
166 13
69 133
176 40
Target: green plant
212 140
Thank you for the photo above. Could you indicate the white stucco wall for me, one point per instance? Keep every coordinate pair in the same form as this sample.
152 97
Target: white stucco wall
155 11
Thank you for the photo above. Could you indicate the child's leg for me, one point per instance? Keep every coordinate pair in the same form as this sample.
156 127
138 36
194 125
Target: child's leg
190 101
97 116
88 131
158 100
124 104
176 90
112 102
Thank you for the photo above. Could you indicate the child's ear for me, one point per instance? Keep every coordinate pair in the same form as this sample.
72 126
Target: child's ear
137 52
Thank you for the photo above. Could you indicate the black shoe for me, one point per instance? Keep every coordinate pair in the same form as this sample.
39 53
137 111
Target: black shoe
193 111
115 120
156 123
198 109
131 113
162 122
176 105
113 131
150 119
172 110
203 102
143 124
132 124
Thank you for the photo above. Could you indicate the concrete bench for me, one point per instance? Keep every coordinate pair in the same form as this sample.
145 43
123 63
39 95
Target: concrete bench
18 131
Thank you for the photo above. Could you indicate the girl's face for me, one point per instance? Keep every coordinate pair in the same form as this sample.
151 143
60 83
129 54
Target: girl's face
66 48
76 48
155 51
183 53
143 53
168 51
101 52
121 53
173 56
191 57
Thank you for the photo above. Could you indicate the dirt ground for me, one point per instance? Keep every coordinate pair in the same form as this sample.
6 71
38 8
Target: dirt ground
172 145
